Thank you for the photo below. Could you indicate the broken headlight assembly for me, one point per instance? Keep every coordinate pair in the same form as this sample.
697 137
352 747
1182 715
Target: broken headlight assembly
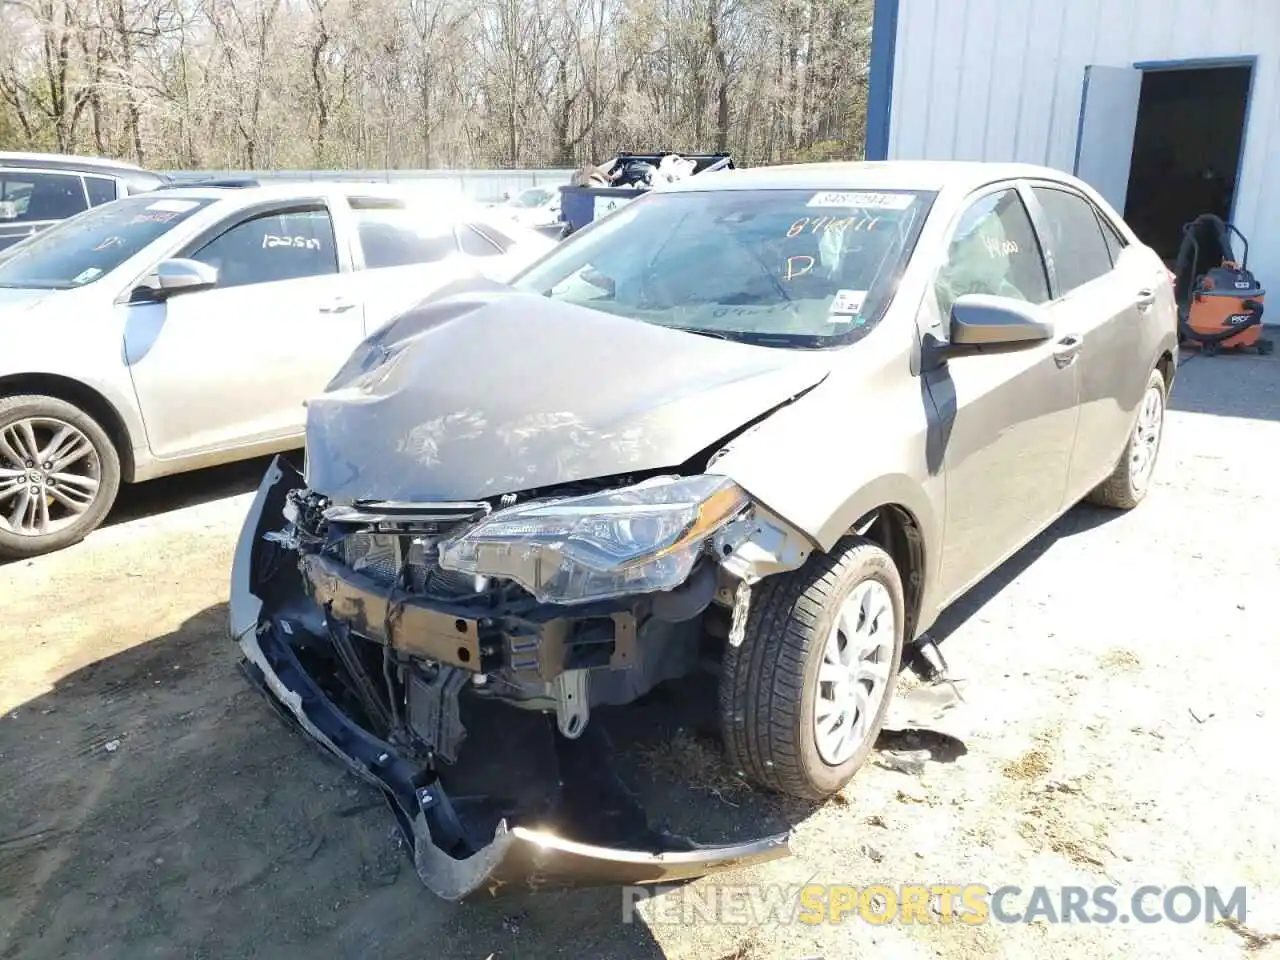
644 538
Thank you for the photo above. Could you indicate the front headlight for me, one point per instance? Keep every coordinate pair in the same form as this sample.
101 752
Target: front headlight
638 539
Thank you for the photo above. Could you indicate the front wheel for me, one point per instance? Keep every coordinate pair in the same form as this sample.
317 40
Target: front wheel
804 696
59 475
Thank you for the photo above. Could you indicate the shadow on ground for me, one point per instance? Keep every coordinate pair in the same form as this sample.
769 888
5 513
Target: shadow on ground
156 497
1079 519
1229 385
154 805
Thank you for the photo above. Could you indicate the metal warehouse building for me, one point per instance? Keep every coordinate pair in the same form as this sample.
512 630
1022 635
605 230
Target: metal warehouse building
1170 108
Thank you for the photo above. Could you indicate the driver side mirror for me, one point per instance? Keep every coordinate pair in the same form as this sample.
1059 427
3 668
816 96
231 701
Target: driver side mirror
175 276
983 324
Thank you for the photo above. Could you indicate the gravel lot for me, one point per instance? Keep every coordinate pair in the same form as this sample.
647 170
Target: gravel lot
1118 727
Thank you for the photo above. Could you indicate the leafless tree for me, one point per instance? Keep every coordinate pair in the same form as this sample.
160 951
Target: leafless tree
432 83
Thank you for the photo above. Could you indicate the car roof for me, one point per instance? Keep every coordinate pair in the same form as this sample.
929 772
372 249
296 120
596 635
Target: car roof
934 175
439 201
63 161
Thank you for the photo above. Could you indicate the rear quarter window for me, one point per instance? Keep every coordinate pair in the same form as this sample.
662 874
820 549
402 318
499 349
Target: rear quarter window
1114 239
100 189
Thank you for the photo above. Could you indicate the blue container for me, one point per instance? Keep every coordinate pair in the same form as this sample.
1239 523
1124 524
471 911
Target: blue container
579 206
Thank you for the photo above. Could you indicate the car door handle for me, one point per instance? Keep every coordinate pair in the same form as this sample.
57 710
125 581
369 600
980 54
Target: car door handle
337 305
1066 350
1145 298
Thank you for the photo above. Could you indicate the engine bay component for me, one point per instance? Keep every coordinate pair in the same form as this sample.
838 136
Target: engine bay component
393 664
434 712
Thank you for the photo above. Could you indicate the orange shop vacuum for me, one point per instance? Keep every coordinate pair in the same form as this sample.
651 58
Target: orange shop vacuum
1219 300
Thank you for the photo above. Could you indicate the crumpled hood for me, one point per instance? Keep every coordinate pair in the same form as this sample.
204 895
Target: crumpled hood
488 391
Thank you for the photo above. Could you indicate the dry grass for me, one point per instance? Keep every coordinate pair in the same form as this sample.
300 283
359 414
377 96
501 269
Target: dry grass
697 762
1030 766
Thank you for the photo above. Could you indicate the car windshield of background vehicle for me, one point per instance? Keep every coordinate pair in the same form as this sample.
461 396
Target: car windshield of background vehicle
87 247
533 197
792 268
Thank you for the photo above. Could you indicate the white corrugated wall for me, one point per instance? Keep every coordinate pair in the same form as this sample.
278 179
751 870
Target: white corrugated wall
1002 80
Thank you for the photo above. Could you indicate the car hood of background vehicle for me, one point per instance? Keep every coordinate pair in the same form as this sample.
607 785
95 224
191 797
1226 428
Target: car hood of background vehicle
488 391
14 300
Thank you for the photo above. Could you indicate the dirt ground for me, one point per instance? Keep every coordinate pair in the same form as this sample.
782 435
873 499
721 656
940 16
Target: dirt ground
1118 728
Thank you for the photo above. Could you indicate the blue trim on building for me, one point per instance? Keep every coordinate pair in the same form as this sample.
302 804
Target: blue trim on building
884 44
1210 63
1084 106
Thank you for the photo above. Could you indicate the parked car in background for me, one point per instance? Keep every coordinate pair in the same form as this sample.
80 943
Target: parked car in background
536 207
775 421
185 327
39 189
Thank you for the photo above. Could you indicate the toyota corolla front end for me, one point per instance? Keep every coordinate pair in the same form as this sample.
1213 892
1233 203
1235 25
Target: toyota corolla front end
523 505
420 634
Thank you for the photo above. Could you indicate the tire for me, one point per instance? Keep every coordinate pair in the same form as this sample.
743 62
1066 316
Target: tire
99 465
770 687
1127 486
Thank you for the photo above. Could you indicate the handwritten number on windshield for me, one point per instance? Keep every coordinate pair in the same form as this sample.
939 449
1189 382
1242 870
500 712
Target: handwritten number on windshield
831 224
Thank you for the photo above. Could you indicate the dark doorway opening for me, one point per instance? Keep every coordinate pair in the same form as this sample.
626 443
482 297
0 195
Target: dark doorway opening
1186 150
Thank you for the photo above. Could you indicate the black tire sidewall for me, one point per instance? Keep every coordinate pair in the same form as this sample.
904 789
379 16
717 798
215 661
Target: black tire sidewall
869 563
13 546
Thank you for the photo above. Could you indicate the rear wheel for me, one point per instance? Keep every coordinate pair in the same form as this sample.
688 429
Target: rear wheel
59 475
804 697
1128 483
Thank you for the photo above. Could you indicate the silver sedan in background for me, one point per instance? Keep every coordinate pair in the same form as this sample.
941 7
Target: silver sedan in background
186 327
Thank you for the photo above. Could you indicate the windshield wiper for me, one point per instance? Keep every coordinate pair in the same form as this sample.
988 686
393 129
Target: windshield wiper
702 332
755 339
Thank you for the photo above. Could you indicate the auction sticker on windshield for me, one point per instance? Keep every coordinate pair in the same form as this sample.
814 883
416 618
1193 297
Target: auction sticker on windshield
173 206
862 201
848 302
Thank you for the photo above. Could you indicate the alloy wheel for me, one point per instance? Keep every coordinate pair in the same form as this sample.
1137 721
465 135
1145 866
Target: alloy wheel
50 474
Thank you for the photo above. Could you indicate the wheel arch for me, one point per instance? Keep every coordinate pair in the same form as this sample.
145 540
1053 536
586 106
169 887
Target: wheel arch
1168 368
897 531
91 401
897 512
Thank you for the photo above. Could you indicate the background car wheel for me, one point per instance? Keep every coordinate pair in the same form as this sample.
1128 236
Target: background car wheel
805 695
59 475
1129 482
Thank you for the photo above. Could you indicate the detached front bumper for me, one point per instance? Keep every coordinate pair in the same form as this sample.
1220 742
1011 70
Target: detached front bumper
465 847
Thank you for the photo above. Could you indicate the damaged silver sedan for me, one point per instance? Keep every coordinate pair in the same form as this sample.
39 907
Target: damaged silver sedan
769 424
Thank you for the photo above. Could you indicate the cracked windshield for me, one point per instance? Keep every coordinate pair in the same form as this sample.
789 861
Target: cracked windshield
775 267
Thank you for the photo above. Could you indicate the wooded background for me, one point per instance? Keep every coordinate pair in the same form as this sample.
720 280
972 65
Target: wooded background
275 84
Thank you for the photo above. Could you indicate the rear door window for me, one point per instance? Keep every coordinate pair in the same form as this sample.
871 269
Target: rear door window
1075 238
393 235
34 196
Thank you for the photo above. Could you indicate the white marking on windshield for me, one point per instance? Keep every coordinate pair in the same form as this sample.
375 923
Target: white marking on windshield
862 201
173 206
